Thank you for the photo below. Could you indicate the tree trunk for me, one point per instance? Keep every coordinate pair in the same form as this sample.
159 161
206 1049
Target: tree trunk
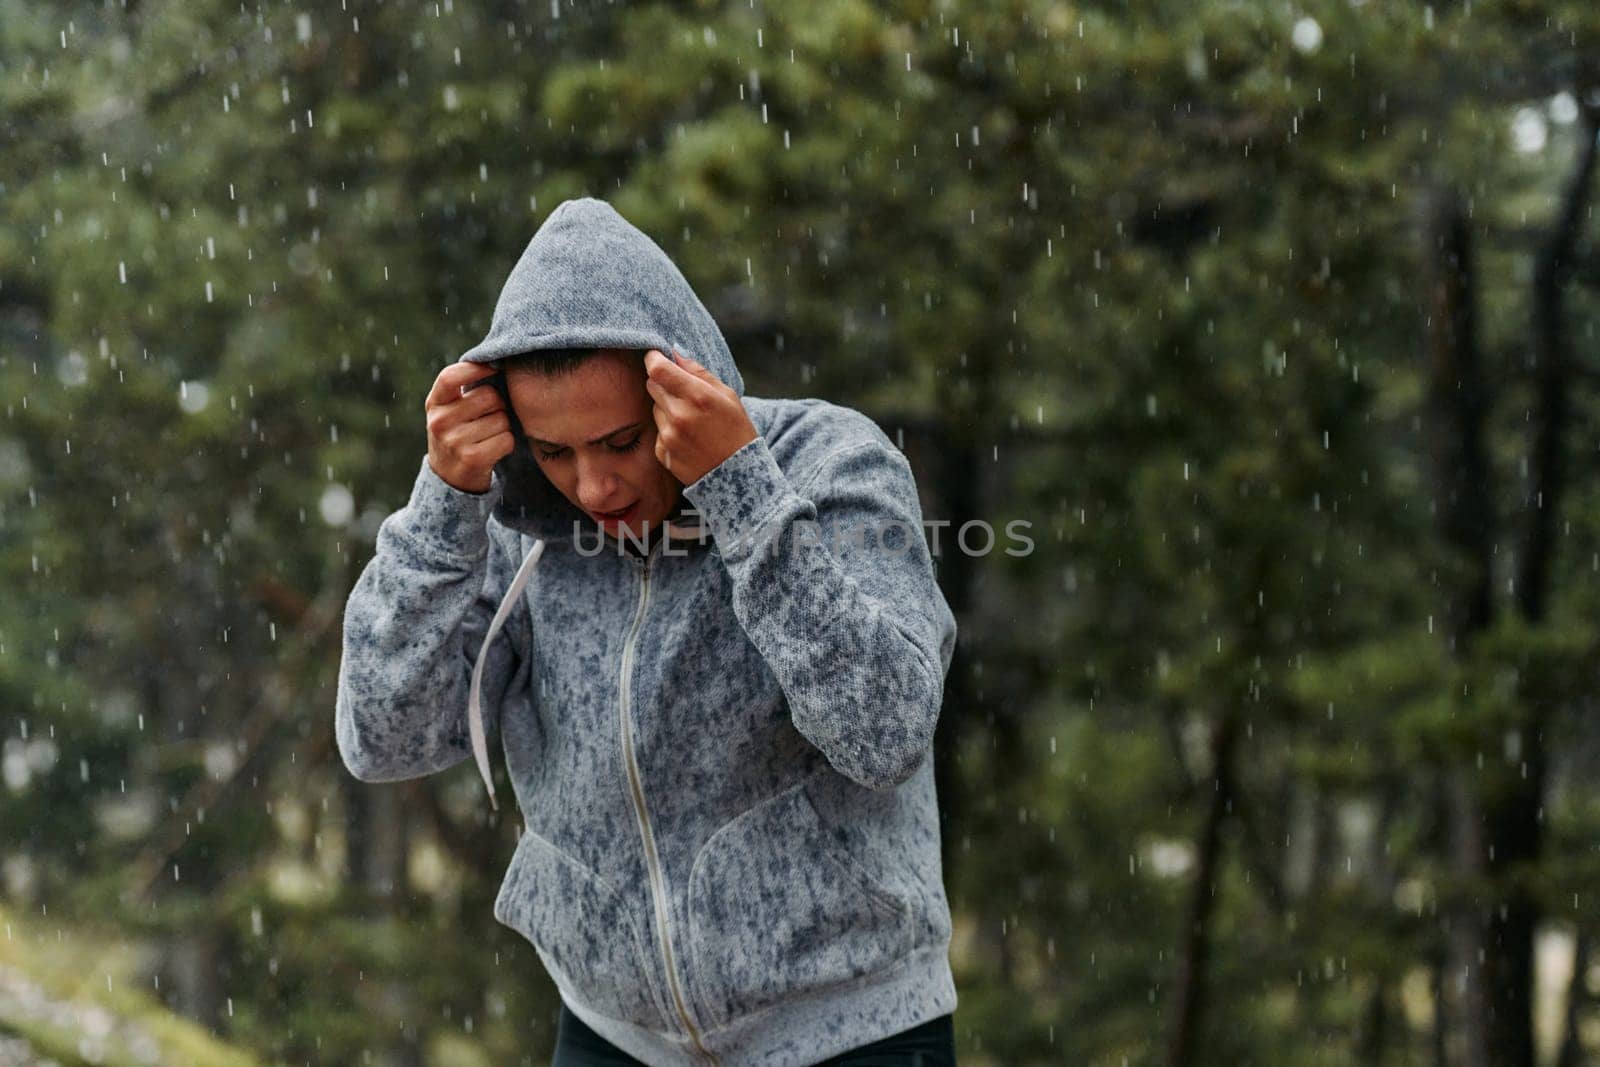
1464 979
377 838
1456 413
1514 824
191 967
956 465
1195 945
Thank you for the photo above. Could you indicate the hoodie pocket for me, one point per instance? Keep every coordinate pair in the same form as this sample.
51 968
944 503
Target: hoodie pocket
778 909
581 929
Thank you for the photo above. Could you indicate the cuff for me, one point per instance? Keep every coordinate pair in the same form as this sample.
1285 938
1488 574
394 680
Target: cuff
451 521
735 496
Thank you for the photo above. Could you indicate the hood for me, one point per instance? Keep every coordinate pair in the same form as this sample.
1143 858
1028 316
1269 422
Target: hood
588 279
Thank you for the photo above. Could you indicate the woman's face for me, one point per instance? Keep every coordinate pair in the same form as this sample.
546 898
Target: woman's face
593 433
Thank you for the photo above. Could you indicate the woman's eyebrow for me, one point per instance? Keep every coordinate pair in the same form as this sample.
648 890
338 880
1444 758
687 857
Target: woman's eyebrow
597 440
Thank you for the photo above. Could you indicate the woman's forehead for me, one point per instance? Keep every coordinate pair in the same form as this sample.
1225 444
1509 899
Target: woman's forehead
591 397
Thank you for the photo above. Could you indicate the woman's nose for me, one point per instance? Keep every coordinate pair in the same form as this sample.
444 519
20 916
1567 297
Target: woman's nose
596 485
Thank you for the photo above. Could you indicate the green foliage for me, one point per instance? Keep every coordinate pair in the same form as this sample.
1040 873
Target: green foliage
1144 276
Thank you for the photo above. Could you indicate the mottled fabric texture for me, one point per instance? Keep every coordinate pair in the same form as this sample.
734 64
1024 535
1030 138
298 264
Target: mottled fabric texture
720 750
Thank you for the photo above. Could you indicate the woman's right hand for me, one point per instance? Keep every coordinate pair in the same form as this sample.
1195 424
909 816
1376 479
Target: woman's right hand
468 431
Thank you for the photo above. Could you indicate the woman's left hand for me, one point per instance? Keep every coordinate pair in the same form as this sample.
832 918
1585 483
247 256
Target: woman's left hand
700 420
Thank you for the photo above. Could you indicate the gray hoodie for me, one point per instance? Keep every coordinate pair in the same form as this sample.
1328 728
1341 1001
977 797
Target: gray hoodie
720 750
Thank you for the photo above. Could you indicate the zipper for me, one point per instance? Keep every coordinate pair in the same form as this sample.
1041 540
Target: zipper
657 886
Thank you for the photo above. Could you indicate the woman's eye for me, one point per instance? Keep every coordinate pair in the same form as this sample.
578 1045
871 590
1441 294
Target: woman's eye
558 453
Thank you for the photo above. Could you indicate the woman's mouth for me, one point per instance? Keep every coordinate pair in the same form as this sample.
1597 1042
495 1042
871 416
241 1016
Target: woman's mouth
614 516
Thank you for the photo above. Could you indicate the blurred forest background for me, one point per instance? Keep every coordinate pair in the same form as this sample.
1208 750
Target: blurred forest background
1277 321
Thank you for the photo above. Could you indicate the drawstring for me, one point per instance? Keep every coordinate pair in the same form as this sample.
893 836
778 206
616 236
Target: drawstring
480 745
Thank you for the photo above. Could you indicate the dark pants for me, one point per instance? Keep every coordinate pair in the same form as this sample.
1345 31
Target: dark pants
933 1044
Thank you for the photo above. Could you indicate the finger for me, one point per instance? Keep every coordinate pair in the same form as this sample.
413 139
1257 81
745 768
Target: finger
695 366
477 404
462 434
485 427
484 398
447 386
675 379
666 427
698 370
665 401
490 450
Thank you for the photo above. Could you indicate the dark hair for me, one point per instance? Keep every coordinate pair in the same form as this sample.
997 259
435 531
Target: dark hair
548 361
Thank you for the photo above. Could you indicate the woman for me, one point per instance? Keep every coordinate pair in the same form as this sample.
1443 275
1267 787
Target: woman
721 665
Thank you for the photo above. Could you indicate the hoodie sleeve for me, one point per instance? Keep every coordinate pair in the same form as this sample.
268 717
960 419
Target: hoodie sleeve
413 625
833 582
